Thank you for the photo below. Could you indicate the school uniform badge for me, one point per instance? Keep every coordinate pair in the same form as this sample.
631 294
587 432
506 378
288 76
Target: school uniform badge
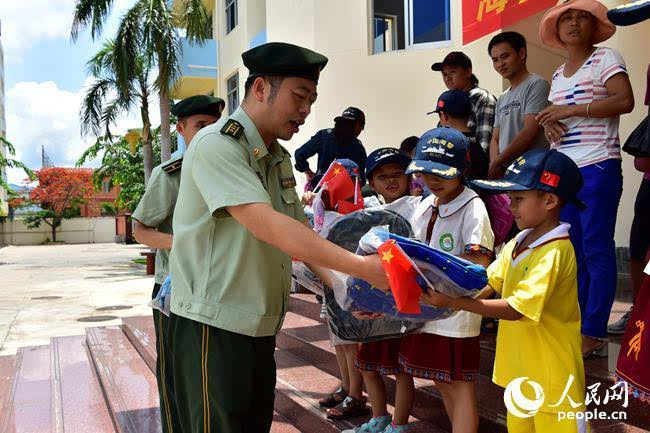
446 242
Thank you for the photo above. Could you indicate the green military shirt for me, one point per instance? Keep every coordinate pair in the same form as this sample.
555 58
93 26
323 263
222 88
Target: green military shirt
221 274
156 209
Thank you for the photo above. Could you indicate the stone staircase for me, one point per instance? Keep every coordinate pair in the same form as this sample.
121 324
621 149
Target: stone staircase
103 381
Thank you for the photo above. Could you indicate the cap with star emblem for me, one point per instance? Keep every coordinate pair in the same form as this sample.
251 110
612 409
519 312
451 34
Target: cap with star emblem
282 59
198 104
539 169
442 152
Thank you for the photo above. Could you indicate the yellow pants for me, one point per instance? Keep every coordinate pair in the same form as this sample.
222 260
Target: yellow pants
545 423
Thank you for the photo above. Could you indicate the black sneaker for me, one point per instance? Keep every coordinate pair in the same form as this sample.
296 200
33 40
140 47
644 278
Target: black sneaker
618 327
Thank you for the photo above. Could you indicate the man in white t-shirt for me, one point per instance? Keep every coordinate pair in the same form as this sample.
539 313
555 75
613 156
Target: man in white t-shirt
515 128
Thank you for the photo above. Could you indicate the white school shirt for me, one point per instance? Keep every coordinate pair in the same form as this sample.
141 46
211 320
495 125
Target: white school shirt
588 140
462 222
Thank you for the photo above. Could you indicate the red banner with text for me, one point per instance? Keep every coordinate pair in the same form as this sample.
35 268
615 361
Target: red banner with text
482 17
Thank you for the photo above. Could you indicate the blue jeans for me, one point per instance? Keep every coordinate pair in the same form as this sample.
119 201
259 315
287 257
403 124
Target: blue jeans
592 235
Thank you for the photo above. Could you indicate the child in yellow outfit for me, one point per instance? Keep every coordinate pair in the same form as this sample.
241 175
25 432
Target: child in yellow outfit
538 356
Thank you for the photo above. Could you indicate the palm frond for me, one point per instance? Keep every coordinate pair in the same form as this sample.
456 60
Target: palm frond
101 144
161 34
196 21
90 12
118 106
92 105
128 45
102 62
8 145
14 163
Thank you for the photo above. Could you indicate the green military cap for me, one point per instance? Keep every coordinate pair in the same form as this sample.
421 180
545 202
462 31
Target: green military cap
279 58
199 104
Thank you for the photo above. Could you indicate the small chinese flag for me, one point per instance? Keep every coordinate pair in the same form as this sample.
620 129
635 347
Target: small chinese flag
550 179
333 170
340 189
401 274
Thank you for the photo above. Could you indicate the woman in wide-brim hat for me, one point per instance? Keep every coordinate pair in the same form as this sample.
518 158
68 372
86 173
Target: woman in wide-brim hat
589 93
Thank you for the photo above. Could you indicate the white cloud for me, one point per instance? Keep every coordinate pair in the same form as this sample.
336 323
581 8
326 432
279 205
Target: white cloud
27 22
42 114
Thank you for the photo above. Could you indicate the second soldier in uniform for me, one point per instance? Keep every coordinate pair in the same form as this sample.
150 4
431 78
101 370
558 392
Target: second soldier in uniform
153 227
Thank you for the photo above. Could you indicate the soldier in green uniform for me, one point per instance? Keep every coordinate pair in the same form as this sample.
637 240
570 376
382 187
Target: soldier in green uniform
237 224
153 227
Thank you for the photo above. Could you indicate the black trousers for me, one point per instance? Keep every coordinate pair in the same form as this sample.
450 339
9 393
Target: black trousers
224 382
164 370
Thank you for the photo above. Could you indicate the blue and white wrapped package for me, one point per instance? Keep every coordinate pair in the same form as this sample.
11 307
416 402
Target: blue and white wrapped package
162 301
437 270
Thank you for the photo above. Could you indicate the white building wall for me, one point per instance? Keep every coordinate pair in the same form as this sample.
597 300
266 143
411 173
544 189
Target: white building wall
4 209
72 231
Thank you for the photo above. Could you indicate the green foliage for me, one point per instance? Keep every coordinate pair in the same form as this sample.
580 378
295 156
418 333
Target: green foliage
123 167
148 32
12 163
108 209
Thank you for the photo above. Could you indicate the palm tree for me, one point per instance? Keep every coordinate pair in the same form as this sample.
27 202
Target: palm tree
149 25
100 109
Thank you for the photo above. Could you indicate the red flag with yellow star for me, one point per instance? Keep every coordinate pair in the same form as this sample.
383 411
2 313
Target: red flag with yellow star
341 189
401 274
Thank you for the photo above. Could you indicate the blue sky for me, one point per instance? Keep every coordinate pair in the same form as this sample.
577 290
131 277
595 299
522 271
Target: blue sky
45 77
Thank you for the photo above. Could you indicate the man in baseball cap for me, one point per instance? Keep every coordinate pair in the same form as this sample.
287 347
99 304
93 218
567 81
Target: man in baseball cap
456 69
334 143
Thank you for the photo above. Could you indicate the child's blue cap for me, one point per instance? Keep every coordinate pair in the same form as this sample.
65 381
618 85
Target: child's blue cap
442 152
350 166
456 103
383 156
539 169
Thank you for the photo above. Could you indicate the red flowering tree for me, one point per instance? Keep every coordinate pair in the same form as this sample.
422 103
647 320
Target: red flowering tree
59 194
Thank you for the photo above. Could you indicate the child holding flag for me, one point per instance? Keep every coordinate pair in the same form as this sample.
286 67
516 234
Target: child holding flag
453 219
339 191
539 334
386 173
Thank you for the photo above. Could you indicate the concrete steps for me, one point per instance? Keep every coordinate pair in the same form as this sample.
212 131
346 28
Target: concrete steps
29 408
104 382
128 384
76 391
308 339
305 334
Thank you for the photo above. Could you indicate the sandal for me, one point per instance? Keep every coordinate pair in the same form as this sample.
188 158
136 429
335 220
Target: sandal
334 398
600 351
349 408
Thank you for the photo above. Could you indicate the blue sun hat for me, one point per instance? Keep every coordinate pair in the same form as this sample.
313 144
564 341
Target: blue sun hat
442 152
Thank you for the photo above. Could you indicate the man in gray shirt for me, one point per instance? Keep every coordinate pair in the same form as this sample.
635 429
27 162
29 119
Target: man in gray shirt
515 128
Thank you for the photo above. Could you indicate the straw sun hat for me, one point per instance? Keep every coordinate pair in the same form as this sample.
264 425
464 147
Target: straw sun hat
548 28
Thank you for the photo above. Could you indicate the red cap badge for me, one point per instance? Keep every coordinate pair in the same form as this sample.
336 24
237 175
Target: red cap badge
550 179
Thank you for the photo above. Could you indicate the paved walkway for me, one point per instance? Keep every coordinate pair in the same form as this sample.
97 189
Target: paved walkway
85 277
